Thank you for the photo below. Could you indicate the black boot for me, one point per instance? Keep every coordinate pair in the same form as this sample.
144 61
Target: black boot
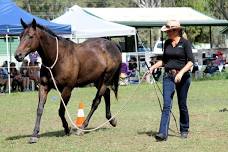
160 137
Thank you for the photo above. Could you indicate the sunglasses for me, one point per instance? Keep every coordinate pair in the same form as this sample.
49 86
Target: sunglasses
172 30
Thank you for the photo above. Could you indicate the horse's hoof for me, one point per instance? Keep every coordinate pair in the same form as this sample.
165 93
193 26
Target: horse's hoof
79 132
67 131
33 140
113 122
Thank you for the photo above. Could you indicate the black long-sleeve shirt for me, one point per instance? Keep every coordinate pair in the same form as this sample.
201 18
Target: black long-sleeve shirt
178 56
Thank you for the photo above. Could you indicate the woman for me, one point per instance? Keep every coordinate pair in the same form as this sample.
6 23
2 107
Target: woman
177 61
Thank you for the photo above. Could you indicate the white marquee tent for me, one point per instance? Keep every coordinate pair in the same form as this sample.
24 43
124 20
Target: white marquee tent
85 25
152 17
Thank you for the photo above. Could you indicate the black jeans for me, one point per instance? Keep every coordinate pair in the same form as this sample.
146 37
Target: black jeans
169 87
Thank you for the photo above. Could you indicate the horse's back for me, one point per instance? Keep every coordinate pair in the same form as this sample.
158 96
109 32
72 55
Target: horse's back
97 57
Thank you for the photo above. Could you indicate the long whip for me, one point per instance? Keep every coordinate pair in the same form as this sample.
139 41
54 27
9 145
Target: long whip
159 101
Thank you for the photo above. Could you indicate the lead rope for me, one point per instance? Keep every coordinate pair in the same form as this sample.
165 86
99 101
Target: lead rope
67 112
89 130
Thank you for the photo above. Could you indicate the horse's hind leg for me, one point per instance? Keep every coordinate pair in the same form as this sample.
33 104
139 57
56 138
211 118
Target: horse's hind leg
96 102
43 91
66 93
113 122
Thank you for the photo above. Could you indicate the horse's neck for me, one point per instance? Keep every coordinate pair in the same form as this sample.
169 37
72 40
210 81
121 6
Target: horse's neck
48 49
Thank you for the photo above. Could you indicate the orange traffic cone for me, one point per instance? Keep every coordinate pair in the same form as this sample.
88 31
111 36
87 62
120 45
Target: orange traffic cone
80 117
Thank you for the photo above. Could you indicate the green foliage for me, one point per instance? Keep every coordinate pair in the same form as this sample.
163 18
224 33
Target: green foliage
215 76
50 9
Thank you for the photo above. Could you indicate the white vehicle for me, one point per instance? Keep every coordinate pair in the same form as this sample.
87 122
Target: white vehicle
157 50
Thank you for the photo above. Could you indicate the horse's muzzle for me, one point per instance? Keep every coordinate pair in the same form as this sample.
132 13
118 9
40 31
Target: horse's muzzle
19 57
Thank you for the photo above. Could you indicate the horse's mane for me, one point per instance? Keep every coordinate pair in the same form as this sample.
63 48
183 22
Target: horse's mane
47 30
52 33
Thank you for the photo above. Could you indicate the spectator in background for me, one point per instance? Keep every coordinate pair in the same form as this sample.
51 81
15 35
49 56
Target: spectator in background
33 56
15 77
220 61
24 71
4 70
195 70
5 67
4 77
132 64
210 68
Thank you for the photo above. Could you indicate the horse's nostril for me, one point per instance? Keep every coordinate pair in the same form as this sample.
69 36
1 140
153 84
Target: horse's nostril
18 56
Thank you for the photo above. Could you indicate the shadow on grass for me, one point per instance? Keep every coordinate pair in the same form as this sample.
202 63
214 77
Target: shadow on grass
153 133
148 133
73 131
59 133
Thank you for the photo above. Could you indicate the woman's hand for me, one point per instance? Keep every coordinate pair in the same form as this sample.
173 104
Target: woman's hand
151 70
178 77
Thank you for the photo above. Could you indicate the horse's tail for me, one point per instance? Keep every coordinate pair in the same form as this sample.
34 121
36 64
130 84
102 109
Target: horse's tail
116 78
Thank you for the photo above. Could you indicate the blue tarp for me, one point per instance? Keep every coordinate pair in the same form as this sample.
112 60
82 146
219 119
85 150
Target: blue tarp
10 15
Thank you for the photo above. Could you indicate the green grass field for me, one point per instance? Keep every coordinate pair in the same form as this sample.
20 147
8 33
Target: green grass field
136 127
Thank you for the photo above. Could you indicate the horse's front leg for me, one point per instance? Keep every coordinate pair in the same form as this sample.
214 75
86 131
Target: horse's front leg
66 93
43 91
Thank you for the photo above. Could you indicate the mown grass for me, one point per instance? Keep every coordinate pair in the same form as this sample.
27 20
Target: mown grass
136 124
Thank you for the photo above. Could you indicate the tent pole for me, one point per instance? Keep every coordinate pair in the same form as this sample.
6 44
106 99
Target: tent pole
136 44
150 39
162 37
210 37
136 50
7 50
10 49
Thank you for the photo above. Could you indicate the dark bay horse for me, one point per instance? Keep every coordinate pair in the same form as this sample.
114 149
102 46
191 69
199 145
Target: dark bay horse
95 61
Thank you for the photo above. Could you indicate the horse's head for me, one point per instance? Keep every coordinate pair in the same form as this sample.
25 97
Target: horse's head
29 40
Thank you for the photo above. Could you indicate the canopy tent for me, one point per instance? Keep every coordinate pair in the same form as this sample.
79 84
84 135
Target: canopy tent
10 15
155 17
85 25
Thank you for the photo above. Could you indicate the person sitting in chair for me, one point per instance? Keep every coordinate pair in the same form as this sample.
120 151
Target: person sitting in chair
124 74
210 68
4 77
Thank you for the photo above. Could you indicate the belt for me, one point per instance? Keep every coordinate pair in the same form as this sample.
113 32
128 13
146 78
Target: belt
173 72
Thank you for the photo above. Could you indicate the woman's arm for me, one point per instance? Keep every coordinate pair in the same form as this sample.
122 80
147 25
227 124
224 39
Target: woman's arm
186 68
156 65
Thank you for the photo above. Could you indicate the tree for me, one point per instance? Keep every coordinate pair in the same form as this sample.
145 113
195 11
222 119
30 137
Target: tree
148 3
220 8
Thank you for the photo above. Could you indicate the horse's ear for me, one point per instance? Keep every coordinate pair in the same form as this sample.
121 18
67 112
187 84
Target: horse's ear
23 24
34 23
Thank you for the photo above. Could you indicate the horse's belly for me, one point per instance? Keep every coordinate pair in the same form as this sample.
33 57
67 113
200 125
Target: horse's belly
89 78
